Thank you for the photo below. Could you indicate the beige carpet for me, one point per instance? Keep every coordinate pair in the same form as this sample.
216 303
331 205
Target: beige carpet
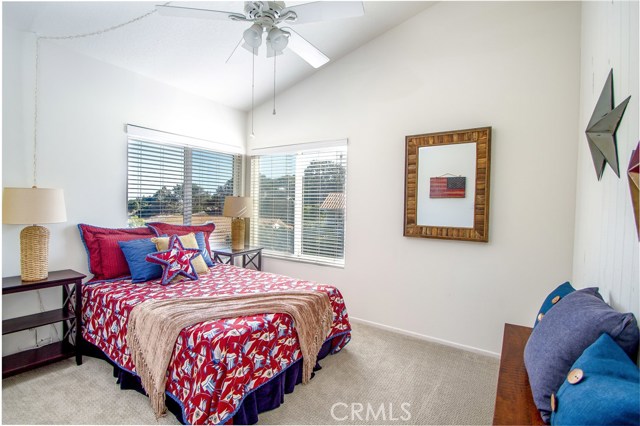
379 378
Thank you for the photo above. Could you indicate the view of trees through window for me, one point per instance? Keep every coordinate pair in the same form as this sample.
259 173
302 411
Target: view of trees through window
180 185
315 209
168 203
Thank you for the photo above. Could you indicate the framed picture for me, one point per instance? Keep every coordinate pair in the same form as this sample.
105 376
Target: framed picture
447 185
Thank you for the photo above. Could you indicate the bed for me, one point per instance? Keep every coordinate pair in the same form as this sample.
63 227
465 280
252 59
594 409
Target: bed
215 365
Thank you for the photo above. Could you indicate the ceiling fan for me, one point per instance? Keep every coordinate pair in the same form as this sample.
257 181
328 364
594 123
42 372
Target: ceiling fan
269 17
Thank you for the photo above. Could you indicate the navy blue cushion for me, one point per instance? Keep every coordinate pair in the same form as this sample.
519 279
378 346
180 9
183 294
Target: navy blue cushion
606 392
574 323
136 251
202 245
554 297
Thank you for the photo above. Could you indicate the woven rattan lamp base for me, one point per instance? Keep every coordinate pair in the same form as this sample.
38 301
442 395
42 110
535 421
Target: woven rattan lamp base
34 253
237 233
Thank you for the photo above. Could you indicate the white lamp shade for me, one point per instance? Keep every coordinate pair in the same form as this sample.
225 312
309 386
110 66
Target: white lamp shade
238 207
278 39
30 206
253 35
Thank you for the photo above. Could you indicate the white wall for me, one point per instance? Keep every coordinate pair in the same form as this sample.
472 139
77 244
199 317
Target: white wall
84 105
606 243
513 66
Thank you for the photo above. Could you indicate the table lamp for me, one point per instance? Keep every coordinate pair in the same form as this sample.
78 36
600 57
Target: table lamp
237 208
30 206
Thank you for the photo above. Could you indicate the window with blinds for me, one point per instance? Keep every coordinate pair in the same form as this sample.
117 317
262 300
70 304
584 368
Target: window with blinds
300 204
182 185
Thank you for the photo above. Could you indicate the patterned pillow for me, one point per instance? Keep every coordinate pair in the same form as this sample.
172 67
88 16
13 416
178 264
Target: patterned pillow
176 261
188 241
167 228
106 260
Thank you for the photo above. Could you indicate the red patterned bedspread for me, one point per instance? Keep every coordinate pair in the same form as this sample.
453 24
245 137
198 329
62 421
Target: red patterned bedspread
214 363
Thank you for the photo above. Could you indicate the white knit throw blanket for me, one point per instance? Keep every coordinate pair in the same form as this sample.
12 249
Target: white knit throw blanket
154 326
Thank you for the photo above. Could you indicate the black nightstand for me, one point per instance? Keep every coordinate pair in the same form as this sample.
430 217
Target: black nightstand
70 315
251 256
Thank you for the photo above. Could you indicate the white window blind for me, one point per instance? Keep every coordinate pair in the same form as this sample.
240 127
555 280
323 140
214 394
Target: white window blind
180 185
300 204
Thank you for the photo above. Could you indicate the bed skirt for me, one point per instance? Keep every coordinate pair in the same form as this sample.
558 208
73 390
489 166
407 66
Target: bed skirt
266 397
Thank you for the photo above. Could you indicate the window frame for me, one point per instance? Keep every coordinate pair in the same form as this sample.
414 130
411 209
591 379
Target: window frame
299 150
188 146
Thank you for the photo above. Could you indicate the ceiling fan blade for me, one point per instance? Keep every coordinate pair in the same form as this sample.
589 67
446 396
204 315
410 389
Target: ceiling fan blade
326 10
190 12
306 50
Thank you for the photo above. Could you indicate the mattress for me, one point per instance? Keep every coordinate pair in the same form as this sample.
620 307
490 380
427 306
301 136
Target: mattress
215 364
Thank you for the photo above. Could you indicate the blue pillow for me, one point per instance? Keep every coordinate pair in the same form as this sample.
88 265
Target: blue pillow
135 252
566 331
605 389
202 245
554 297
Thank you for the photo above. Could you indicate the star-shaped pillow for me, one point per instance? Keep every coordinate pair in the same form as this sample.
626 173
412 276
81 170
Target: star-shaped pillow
175 261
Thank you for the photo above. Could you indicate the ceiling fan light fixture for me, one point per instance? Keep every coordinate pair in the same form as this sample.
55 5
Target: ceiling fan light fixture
253 36
277 39
270 16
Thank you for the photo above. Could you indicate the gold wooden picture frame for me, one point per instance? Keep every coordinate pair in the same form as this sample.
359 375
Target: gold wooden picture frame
447 185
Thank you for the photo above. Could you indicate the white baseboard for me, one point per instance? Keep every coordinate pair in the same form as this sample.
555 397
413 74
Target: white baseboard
426 338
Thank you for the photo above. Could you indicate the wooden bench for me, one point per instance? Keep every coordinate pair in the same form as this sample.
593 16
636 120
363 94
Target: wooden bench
514 401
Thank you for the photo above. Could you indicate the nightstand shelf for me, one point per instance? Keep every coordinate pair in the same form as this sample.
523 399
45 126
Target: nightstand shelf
32 358
35 320
69 315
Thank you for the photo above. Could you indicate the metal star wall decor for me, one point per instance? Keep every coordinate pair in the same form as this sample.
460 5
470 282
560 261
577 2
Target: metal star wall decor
634 184
601 131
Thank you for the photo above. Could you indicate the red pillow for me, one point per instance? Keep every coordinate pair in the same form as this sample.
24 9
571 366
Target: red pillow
106 260
161 228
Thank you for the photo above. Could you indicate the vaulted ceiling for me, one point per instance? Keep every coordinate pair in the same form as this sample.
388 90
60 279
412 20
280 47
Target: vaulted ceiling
191 54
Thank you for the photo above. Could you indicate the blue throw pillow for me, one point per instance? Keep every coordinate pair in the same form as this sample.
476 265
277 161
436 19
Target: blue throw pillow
136 251
554 297
603 388
574 323
202 245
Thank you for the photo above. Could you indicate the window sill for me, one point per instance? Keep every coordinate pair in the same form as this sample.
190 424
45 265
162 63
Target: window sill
302 260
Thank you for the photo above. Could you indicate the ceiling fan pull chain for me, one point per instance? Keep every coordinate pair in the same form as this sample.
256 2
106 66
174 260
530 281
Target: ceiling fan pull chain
274 84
